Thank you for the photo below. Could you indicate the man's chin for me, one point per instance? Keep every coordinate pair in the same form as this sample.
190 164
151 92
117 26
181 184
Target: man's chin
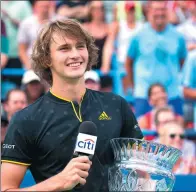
76 77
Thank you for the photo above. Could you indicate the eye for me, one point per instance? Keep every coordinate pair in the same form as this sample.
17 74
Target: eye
63 48
81 46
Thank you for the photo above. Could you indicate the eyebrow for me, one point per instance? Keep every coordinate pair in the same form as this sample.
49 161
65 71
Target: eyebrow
67 44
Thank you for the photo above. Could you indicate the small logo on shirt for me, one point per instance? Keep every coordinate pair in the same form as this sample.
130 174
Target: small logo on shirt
104 116
7 146
136 126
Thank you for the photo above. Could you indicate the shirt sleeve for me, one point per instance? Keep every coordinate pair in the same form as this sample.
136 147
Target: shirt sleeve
17 147
182 48
23 33
133 48
130 127
188 72
4 39
26 10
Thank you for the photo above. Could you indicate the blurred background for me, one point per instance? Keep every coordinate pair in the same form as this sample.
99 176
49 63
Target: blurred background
147 54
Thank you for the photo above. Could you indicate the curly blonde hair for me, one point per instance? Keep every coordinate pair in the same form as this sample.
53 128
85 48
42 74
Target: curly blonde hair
41 57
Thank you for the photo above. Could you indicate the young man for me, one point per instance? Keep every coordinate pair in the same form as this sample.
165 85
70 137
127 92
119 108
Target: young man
44 134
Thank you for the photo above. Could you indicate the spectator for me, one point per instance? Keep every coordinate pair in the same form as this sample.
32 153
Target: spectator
121 32
29 28
92 80
16 100
155 54
13 12
6 84
4 125
189 86
188 28
32 86
109 10
172 134
157 98
179 13
99 29
119 13
73 9
4 45
163 115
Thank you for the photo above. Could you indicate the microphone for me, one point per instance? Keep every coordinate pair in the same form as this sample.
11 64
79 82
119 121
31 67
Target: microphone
86 140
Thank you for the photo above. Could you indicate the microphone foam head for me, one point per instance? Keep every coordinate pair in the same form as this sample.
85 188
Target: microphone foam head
88 127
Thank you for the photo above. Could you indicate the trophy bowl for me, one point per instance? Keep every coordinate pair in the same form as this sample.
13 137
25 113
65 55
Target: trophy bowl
141 165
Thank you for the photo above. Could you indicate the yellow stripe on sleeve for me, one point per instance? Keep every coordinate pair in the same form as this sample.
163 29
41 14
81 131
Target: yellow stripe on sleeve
15 162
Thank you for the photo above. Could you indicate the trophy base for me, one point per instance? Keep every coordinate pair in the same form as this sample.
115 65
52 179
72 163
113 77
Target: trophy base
122 178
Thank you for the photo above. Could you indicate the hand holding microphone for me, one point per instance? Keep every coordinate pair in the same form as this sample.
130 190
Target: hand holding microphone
77 169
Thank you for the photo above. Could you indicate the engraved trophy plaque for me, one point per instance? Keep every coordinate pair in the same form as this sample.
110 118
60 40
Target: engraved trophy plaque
141 165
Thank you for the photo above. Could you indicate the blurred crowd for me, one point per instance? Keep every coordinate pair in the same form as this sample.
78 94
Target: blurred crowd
154 43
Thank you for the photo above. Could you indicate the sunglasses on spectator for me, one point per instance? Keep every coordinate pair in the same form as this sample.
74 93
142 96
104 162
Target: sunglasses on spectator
172 136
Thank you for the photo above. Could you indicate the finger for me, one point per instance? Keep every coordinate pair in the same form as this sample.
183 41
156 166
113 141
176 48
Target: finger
82 159
82 181
83 174
82 166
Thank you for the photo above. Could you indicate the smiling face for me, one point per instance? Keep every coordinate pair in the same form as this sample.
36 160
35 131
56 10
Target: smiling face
158 96
69 57
63 50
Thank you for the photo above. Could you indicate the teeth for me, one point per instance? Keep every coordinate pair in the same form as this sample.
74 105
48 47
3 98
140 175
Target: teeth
74 64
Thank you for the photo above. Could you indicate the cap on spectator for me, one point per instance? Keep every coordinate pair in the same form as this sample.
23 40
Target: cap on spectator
29 76
92 75
129 5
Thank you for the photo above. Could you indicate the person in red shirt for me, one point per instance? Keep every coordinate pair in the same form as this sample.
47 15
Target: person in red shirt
157 98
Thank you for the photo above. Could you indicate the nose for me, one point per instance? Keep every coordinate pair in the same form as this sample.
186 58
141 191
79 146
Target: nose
74 54
20 105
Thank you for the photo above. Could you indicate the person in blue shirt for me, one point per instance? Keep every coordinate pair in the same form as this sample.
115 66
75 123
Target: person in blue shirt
155 55
189 81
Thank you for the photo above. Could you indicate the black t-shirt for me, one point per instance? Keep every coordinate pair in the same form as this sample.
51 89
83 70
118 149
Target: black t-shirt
43 135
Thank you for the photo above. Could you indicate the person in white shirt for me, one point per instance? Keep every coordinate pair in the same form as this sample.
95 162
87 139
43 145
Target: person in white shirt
121 32
188 28
29 28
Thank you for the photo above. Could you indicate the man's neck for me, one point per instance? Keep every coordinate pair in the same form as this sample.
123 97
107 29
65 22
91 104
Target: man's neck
42 19
9 116
158 28
72 91
194 18
131 24
97 22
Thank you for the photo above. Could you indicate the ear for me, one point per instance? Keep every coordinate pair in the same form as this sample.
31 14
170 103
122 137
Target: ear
160 130
150 102
5 106
49 65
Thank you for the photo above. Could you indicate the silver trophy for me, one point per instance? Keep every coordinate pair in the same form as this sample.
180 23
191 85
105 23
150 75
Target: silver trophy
141 165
